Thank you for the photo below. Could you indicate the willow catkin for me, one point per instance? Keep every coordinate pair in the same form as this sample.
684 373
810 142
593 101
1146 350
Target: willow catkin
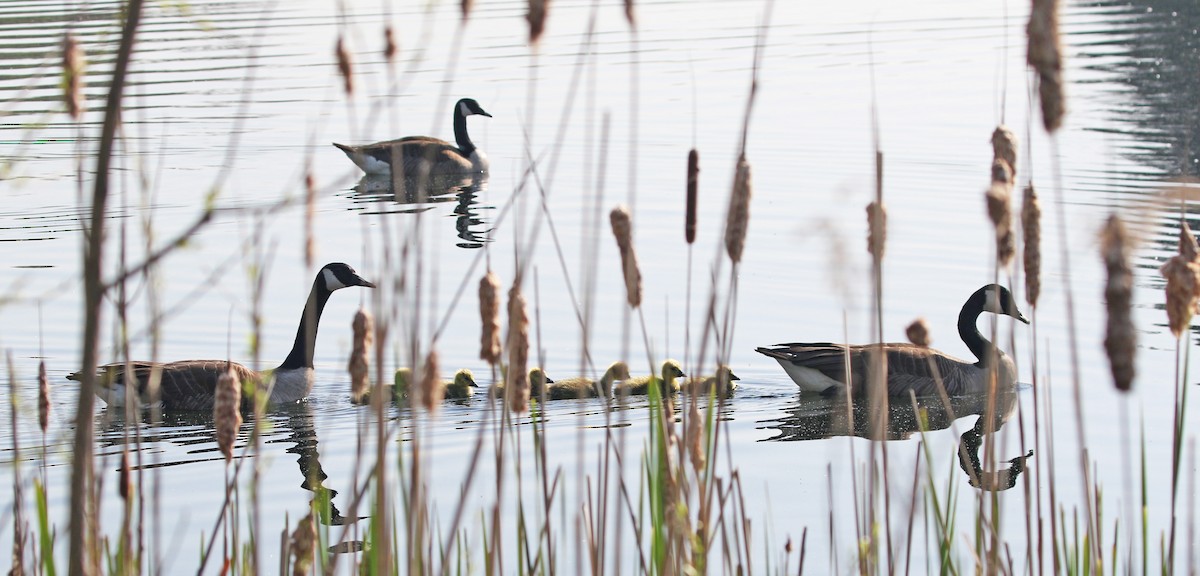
303 545
1044 54
1120 339
918 332
739 211
73 76
1004 147
622 227
1031 228
876 229
536 16
517 380
693 185
227 416
489 315
345 66
431 390
1182 272
999 211
359 365
43 397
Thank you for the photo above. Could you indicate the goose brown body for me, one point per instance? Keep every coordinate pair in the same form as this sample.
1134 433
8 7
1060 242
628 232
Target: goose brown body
424 155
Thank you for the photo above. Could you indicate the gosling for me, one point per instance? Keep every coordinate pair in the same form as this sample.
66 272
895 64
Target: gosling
461 387
724 382
537 381
640 386
584 387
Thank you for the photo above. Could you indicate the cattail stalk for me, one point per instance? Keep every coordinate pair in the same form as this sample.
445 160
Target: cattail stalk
345 66
303 545
536 16
693 185
1044 54
517 380
73 76
227 415
1120 340
1182 272
359 365
739 211
622 227
489 314
310 211
43 397
1031 227
431 390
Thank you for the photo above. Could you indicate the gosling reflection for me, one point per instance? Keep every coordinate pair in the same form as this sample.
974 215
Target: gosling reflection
412 195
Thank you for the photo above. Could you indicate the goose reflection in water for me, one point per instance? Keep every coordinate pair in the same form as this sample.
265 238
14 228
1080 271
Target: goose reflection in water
412 195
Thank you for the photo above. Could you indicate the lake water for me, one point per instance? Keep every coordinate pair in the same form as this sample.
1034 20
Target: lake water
241 100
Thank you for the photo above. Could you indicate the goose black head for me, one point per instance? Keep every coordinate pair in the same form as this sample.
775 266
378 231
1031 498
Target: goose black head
468 106
998 300
337 275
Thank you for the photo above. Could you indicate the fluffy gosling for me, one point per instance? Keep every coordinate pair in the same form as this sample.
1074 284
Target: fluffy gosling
724 382
640 386
461 387
584 387
537 381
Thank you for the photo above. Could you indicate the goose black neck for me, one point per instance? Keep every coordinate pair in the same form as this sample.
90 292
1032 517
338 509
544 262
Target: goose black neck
460 132
981 347
301 355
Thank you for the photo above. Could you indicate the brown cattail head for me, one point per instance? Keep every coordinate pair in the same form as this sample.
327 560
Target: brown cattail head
390 47
227 416
489 314
1120 339
431 390
74 64
1031 227
1001 173
43 397
693 435
918 332
622 227
1182 272
536 16
693 184
125 477
345 66
359 366
739 211
629 15
876 229
1004 147
303 545
999 211
517 380
1044 54
466 6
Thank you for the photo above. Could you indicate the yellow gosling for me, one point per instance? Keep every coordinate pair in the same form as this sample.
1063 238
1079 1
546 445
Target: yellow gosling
724 382
537 381
640 386
463 385
583 387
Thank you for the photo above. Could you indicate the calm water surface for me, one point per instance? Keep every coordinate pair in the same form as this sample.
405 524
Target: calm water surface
240 100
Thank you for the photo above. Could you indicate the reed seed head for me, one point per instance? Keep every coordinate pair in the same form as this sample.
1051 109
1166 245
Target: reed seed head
693 185
1044 55
1182 272
345 66
998 197
918 332
517 379
43 397
74 64
1004 147
227 416
359 366
536 16
1120 340
876 229
303 545
489 313
622 227
739 211
1031 227
431 390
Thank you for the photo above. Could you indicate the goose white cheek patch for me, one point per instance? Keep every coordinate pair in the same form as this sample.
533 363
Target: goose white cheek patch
462 109
331 280
992 303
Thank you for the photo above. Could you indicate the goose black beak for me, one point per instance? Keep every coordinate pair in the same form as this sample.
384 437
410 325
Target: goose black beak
548 380
482 113
1022 318
364 282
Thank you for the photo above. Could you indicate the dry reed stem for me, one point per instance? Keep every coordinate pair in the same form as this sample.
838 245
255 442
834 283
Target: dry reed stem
918 332
1031 227
622 227
693 435
345 66
43 397
73 76
1120 340
1000 213
1004 146
310 210
517 381
391 48
303 545
876 229
1044 54
1182 272
489 315
739 211
693 185
536 16
359 365
227 416
431 390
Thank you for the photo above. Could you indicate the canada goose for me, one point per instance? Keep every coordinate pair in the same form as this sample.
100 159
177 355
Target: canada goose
821 367
191 384
423 154
724 382
537 381
640 386
584 387
461 387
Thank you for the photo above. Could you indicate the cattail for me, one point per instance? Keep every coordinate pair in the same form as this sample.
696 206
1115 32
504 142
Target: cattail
1182 272
489 314
876 229
1120 339
918 332
227 416
124 477
431 390
1002 173
345 66
629 15
391 48
1044 54
303 545
43 397
693 435
537 19
739 211
1031 227
517 381
622 227
73 75
1004 147
359 366
466 6
1001 215
693 183
310 211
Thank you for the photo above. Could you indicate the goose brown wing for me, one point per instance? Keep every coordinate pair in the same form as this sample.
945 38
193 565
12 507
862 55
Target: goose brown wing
825 357
183 385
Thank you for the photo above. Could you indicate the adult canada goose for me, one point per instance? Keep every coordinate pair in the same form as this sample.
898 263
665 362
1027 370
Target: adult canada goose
461 387
821 367
724 382
537 381
191 384
424 154
640 386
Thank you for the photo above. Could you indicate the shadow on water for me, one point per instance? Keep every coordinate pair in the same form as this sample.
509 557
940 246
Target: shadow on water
374 195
